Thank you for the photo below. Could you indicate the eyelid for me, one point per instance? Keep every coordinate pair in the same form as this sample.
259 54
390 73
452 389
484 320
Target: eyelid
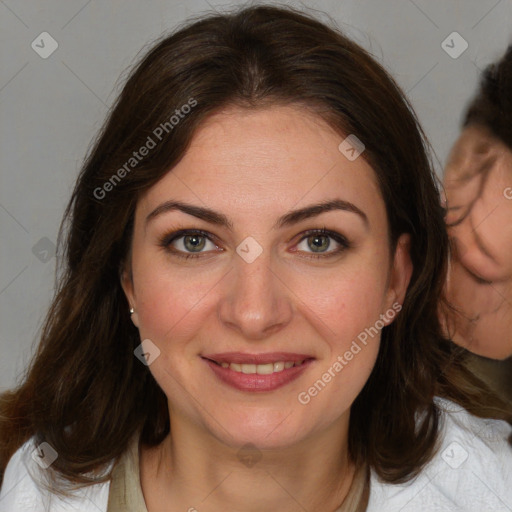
166 240
326 232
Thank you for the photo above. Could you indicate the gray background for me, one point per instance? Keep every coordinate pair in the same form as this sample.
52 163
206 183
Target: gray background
50 109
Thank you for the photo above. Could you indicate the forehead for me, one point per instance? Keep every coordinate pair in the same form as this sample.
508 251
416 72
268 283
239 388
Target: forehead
267 160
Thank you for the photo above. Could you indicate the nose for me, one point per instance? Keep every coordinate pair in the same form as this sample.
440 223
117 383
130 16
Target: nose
256 301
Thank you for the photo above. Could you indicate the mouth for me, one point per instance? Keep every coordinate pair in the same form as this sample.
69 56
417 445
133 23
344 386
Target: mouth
257 372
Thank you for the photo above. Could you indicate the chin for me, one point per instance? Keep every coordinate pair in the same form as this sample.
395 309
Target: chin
264 429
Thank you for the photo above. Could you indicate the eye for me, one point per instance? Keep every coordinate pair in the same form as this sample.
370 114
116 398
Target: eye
319 241
187 243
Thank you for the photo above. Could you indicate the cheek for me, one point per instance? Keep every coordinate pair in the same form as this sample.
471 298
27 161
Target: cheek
346 314
498 237
349 310
168 297
167 304
171 309
346 307
349 305
348 299
338 381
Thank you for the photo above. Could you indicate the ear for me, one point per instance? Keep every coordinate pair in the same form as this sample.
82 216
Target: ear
127 285
400 273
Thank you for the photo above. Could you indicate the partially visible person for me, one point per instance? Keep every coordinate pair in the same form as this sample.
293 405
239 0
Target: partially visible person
478 188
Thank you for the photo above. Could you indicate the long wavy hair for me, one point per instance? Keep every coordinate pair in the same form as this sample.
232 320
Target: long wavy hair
86 394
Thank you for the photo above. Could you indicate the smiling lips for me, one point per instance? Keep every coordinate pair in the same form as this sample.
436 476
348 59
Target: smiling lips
258 372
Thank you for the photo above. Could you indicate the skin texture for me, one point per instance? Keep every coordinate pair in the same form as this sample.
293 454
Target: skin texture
478 182
255 166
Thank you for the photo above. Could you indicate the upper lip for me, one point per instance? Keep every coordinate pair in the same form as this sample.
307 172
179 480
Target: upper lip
262 358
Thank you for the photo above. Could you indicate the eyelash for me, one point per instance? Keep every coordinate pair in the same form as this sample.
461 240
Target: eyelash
167 240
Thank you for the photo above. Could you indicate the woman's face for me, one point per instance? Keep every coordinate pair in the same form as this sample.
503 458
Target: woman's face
256 290
478 185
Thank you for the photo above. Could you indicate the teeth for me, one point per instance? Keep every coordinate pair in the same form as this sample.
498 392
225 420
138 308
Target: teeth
279 367
249 368
261 369
264 369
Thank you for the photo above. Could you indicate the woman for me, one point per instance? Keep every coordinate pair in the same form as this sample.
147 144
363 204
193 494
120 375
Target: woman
248 315
478 184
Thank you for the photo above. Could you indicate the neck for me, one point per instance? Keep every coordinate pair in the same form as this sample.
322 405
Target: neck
192 470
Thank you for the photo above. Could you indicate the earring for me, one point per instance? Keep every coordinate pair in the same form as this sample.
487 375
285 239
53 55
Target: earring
134 317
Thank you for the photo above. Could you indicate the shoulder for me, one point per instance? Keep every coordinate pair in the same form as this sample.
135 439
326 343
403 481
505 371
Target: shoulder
471 469
23 490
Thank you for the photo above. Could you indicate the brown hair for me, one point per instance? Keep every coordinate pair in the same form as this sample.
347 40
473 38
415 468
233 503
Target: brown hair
86 394
491 108
492 105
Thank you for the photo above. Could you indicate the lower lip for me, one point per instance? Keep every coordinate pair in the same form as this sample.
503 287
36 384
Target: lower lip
255 382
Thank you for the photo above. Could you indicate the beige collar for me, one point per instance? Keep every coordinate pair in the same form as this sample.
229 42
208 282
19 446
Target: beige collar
125 494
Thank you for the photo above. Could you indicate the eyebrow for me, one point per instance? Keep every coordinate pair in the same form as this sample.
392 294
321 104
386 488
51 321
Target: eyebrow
290 218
